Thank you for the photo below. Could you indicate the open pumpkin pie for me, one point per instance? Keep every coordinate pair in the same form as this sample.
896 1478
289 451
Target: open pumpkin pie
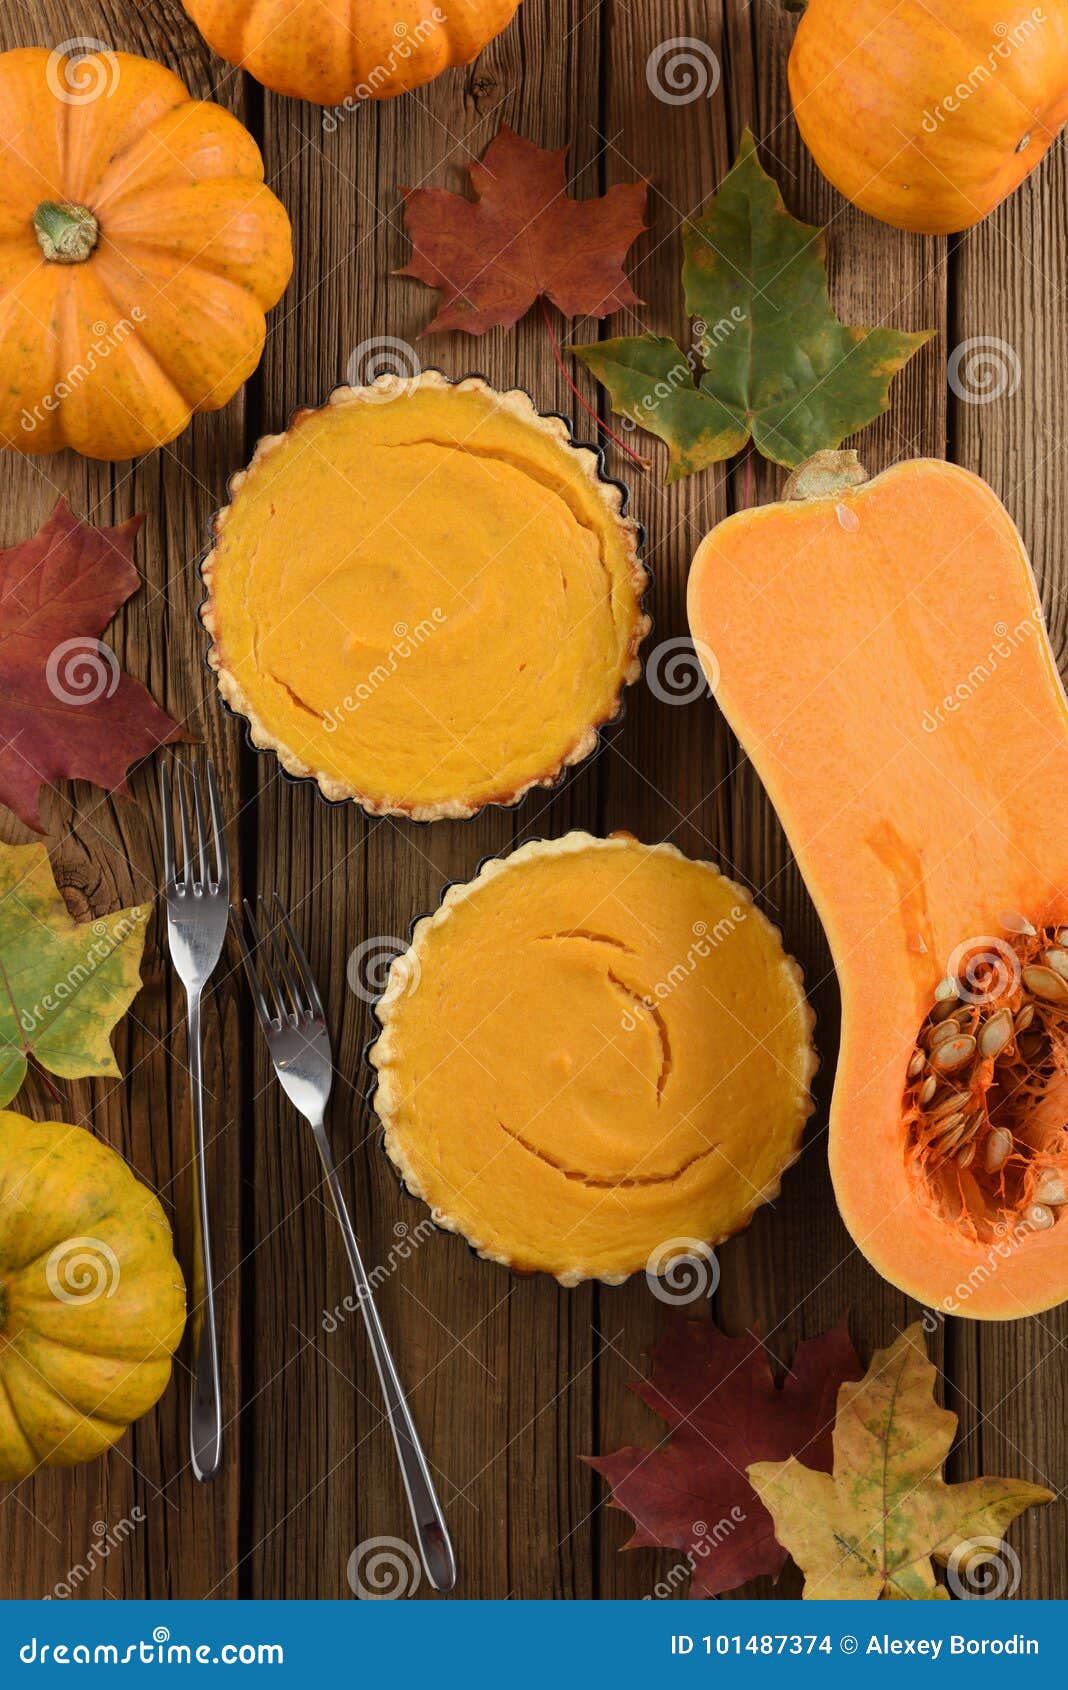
425 596
594 1057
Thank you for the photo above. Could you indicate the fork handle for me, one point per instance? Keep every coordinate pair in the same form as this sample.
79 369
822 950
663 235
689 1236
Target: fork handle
205 1407
435 1545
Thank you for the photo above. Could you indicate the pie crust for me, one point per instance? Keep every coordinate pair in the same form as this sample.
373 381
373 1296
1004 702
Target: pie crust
594 1058
425 596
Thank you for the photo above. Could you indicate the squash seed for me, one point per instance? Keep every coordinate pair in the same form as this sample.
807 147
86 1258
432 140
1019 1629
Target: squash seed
942 1011
1013 922
1039 1216
947 1029
1024 1017
1046 983
997 1150
916 1066
928 1089
945 991
953 1053
950 1105
1057 959
1051 1189
996 1034
967 1155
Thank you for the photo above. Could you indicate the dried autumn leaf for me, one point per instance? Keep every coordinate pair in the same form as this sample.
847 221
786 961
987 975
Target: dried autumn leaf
521 239
772 360
63 983
66 709
725 1410
874 1527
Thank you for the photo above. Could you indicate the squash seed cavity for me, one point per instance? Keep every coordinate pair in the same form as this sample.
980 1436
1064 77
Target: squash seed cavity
986 1085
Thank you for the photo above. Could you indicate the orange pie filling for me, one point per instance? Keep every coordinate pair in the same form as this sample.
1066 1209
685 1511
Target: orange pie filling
425 596
594 1058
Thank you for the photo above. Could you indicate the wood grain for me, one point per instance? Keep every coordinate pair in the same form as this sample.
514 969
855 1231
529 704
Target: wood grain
512 1380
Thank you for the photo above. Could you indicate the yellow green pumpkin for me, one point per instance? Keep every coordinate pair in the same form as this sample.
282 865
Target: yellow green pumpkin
92 1302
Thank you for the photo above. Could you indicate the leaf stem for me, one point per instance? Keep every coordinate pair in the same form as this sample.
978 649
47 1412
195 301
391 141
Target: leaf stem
643 463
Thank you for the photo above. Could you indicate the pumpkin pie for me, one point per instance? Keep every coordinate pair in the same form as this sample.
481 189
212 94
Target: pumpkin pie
425 596
594 1058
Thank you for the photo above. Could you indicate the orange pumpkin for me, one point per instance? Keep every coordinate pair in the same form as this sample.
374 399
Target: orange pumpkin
338 52
928 113
139 251
881 655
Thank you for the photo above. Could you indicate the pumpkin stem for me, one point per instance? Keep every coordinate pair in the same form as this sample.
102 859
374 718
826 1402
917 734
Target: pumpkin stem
825 474
66 234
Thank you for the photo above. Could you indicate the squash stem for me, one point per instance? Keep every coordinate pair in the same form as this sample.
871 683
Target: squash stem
825 475
66 234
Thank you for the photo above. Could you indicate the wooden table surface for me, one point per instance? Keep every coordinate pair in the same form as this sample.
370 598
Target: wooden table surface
512 1380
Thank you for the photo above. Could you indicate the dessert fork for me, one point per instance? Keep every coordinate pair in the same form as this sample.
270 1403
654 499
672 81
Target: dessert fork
197 895
290 1012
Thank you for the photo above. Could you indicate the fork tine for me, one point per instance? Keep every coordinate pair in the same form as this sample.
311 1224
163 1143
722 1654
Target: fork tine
299 1003
258 999
183 816
169 871
222 871
307 977
280 1012
202 876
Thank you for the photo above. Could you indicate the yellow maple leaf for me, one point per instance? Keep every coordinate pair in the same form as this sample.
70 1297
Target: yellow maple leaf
63 983
874 1526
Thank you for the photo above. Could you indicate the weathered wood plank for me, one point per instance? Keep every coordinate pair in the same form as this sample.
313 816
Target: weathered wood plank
1005 424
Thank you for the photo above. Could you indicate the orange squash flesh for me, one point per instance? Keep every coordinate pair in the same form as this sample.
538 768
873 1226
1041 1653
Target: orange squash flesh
880 652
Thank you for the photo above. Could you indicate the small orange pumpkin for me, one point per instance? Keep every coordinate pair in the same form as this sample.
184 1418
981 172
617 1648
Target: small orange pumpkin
928 113
139 252
337 52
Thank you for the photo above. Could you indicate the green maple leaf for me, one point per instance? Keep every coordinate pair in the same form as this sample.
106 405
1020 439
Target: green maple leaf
874 1526
771 361
63 983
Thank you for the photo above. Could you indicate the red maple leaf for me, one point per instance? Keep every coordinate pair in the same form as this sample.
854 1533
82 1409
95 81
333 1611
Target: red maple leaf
67 711
521 239
725 1411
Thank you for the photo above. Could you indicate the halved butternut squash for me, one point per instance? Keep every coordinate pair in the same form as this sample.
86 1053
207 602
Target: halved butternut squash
880 651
